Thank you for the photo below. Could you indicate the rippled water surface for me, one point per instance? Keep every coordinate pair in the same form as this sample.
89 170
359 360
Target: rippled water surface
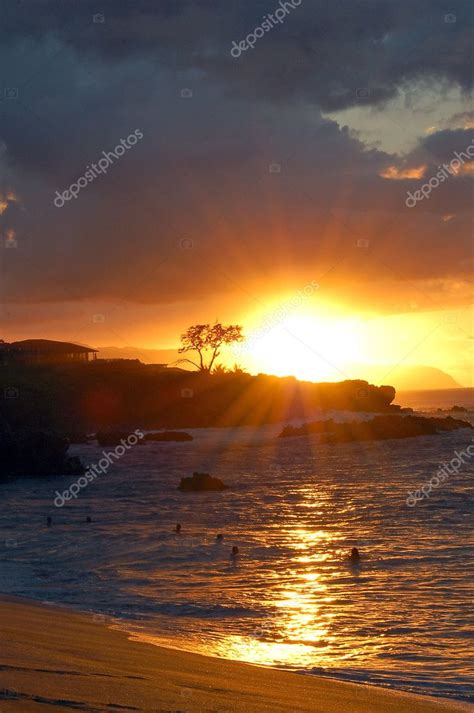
295 508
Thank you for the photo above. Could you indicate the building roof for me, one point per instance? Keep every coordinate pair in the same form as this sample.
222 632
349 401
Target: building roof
48 345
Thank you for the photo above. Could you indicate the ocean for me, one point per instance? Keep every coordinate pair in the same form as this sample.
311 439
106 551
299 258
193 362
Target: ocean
295 508
431 400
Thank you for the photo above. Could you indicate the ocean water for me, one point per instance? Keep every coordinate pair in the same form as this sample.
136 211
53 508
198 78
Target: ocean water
295 507
430 400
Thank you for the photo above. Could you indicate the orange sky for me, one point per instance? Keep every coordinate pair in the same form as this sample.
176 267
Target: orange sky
313 159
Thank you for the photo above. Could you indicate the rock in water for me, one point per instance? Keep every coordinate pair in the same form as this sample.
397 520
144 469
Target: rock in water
201 482
376 429
113 438
169 436
31 453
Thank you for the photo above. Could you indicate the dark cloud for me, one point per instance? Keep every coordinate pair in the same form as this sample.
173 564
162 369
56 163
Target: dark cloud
202 171
441 146
322 51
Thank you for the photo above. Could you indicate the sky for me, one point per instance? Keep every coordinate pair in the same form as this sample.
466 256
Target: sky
267 170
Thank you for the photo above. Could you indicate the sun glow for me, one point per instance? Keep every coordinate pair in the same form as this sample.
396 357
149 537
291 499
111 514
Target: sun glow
305 346
325 342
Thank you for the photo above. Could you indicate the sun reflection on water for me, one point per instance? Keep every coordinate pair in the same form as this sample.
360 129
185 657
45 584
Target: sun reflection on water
300 627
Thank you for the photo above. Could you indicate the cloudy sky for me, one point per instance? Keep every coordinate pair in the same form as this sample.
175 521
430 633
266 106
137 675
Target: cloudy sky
260 170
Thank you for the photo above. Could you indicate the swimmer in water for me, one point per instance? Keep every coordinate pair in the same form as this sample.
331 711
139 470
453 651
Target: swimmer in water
219 538
234 555
354 557
88 519
49 521
178 528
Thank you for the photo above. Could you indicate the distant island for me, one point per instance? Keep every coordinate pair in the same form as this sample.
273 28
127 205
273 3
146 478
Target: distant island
415 378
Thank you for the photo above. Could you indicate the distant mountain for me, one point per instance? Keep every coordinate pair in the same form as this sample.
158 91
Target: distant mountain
147 356
411 378
403 378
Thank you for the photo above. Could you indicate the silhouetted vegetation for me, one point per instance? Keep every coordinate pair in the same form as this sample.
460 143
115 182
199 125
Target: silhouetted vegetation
207 340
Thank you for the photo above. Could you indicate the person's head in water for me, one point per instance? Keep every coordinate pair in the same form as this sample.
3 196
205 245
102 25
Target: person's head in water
219 537
49 521
88 519
178 527
355 556
235 551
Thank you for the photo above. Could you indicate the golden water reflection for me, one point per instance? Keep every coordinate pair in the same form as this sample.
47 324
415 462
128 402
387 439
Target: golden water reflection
267 653
300 629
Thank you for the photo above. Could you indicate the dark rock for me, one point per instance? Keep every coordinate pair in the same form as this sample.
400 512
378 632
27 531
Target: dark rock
388 427
77 437
113 438
201 482
451 424
388 393
306 428
36 453
169 436
378 428
74 466
453 409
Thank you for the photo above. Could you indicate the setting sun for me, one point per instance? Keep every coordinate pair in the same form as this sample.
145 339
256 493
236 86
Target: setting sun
319 341
306 346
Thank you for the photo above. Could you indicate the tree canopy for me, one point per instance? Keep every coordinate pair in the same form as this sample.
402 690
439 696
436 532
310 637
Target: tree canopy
207 341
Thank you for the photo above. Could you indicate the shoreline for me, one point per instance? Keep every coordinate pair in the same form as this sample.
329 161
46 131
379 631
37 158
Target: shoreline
143 638
54 658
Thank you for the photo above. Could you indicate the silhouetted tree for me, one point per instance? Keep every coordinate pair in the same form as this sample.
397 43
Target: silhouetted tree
207 340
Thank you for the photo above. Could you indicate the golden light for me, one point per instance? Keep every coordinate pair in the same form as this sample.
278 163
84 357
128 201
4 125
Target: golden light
5 199
302 626
309 347
394 173
324 341
465 169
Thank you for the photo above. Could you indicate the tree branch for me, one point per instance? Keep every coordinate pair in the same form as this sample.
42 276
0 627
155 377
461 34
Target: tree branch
214 355
189 361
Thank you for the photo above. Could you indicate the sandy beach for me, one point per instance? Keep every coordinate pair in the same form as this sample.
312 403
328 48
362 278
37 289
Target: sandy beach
54 659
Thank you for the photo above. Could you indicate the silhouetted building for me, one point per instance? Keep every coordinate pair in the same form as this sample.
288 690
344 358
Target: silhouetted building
44 351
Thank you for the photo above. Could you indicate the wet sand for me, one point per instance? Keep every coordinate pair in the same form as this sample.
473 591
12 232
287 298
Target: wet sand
53 659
